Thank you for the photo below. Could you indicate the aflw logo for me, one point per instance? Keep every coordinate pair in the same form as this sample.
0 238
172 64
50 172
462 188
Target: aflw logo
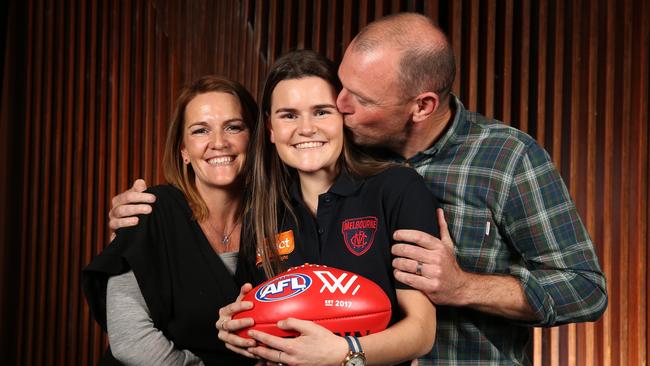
332 283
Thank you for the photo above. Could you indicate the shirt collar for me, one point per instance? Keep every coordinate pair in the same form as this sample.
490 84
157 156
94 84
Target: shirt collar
459 117
448 138
345 185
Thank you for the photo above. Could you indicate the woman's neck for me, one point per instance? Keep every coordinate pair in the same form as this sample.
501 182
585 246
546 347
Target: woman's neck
314 184
223 204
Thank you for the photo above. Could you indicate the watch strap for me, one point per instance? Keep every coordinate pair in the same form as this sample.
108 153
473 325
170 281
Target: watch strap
354 344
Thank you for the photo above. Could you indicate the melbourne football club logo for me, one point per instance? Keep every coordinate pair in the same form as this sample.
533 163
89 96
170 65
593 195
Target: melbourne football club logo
359 233
284 287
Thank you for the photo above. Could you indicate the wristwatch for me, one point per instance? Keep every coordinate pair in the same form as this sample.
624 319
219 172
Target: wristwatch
355 357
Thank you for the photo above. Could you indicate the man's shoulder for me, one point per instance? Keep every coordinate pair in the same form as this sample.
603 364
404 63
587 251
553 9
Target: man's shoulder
491 132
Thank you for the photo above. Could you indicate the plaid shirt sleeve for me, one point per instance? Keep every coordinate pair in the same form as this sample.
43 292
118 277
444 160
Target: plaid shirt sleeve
559 269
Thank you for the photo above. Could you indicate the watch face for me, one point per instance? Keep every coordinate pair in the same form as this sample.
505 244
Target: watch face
356 360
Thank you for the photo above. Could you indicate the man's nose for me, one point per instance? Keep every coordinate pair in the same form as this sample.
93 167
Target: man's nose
342 102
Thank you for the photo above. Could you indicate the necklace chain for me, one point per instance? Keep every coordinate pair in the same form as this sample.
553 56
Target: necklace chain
225 238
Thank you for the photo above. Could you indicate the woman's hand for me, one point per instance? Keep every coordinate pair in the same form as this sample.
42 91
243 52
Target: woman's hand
227 326
315 345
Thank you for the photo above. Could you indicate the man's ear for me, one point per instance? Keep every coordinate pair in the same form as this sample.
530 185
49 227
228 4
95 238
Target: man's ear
424 106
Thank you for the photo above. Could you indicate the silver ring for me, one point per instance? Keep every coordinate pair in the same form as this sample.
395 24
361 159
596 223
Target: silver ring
280 358
418 269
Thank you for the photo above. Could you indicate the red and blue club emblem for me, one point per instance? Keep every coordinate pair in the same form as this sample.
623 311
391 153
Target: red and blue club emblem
359 233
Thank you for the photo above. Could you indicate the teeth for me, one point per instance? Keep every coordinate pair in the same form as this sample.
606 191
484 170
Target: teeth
308 145
221 160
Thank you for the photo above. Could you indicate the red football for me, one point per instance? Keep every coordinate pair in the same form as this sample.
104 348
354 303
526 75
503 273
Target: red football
338 300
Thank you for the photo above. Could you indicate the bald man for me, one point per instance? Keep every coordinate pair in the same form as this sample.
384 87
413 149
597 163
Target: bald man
513 251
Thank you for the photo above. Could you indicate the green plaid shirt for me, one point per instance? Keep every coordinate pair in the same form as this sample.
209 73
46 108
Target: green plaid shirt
509 212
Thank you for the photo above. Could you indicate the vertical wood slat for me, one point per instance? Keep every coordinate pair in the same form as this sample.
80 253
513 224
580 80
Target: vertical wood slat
77 155
64 113
96 117
586 338
504 110
31 35
44 219
522 80
576 128
469 68
608 176
30 239
624 218
56 254
97 338
639 173
488 71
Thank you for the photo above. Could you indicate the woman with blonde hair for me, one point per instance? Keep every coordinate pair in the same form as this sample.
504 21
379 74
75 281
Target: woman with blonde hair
157 287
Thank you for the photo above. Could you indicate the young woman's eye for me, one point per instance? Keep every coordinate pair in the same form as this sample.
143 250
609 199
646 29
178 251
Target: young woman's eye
288 115
322 112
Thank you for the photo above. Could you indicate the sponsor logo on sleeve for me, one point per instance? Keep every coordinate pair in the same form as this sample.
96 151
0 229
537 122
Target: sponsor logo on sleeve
285 244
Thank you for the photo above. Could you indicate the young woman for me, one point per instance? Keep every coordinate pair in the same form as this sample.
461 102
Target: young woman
157 287
328 204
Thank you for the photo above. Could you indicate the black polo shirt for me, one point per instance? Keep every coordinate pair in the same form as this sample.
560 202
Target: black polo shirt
354 224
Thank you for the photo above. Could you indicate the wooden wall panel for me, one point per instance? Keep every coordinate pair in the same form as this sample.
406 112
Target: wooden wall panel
88 88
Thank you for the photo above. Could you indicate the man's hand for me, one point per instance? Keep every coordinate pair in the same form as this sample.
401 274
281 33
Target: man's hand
443 281
128 204
439 276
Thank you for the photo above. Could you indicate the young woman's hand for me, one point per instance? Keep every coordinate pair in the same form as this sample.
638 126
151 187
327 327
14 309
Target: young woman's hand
315 345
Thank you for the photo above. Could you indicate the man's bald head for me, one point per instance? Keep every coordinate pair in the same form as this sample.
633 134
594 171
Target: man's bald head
427 61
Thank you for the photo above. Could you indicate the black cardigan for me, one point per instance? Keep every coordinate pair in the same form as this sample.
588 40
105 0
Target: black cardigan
183 281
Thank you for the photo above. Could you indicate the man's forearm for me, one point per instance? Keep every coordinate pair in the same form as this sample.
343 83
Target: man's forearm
500 295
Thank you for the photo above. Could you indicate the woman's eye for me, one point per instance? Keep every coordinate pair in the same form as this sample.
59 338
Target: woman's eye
199 131
288 116
322 112
235 128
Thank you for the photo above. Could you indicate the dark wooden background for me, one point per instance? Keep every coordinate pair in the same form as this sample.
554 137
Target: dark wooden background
88 86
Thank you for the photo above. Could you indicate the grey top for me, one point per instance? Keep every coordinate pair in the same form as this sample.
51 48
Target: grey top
132 335
230 260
